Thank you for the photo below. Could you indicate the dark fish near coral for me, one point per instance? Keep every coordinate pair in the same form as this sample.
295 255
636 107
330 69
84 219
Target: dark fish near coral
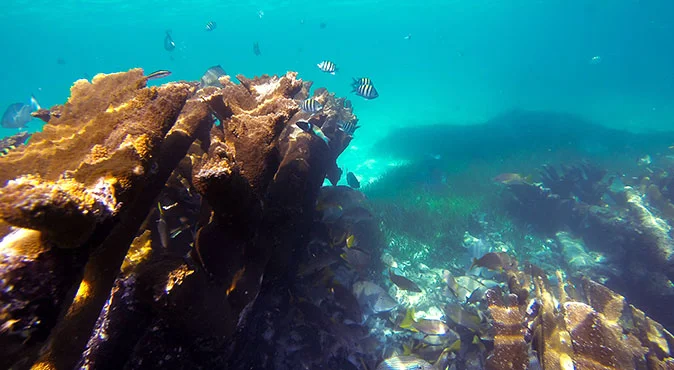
311 105
327 66
211 77
498 261
158 74
256 48
17 115
169 45
512 179
404 363
403 282
355 215
322 25
366 91
312 129
360 81
210 26
357 258
348 127
352 180
348 302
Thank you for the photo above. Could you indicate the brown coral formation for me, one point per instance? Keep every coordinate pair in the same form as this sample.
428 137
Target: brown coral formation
82 183
75 198
583 327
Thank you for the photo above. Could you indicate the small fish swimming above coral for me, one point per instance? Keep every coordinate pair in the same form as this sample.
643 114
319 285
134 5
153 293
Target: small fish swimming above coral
327 66
210 26
17 115
367 91
211 77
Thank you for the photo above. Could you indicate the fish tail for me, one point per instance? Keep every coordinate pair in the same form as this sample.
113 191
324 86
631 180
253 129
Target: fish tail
473 264
34 104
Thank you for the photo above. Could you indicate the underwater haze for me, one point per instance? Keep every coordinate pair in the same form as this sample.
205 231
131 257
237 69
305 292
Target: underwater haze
507 186
465 62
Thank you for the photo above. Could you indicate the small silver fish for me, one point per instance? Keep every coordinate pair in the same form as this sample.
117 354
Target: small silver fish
158 74
366 91
311 105
210 26
308 127
404 363
327 66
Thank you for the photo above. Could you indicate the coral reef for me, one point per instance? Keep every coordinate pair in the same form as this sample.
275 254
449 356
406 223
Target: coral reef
586 326
74 199
615 233
187 227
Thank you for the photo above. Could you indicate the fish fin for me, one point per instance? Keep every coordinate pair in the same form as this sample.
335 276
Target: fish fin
333 73
456 346
33 102
408 321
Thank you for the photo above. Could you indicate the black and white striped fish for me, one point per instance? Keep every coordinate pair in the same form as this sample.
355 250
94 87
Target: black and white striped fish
366 91
361 81
348 127
311 105
210 26
327 66
4 151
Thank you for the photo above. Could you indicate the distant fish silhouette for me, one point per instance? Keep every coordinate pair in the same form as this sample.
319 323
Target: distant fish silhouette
210 26
18 115
169 45
256 48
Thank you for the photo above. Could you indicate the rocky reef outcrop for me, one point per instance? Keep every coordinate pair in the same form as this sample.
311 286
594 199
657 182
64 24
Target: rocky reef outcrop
613 229
86 254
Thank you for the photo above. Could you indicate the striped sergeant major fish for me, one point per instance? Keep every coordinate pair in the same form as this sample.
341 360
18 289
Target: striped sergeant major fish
361 81
366 91
314 130
311 105
348 127
327 66
210 26
4 151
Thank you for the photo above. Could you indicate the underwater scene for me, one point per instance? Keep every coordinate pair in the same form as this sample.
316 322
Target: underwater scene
356 185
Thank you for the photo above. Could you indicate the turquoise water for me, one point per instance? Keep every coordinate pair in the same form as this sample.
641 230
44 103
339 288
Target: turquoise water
466 61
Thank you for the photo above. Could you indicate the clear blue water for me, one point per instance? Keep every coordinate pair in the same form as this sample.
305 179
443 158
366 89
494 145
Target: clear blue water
465 62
